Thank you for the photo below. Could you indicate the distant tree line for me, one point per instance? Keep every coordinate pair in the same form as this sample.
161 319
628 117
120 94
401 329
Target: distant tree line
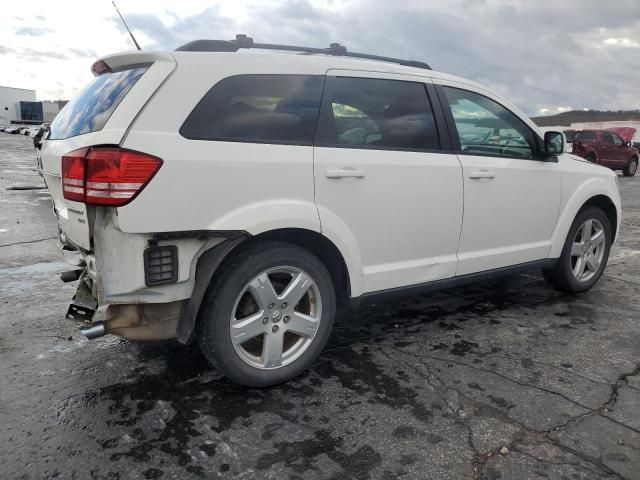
574 116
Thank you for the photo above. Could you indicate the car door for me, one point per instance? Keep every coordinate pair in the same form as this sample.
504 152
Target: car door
511 197
619 150
386 181
607 150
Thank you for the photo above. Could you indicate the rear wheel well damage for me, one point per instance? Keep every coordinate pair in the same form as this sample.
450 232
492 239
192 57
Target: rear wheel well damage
605 204
212 260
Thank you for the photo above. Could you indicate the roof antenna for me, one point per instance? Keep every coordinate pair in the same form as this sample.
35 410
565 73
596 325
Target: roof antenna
126 26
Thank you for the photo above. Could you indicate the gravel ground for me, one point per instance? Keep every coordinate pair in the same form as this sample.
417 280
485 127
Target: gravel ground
511 380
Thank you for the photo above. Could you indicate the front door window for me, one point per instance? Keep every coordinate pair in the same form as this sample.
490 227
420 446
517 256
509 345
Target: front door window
487 128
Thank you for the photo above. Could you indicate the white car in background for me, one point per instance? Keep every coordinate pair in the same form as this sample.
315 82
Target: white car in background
239 199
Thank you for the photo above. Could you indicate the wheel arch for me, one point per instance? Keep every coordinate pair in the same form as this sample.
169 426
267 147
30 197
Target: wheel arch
585 197
604 203
317 244
211 260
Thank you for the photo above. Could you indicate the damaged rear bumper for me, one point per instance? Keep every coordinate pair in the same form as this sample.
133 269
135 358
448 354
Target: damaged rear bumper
147 321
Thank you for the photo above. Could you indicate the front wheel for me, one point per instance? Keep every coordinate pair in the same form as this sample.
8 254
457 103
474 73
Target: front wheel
585 252
631 168
268 314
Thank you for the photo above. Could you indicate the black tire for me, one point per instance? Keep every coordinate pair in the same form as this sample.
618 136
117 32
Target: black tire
561 276
213 332
631 168
591 157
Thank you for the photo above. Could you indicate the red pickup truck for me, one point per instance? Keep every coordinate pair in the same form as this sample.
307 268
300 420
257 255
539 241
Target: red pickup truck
611 148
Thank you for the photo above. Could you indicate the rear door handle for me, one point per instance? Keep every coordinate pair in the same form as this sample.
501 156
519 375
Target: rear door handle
482 174
345 173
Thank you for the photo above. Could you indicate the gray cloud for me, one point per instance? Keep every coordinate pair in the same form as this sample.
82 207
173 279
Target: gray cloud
78 52
32 31
543 54
6 50
33 55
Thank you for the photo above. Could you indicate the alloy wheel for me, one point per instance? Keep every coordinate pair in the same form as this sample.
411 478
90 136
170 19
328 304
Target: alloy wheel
587 250
275 317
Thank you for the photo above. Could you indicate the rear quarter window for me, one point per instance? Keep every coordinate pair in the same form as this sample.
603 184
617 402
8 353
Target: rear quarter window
90 110
258 108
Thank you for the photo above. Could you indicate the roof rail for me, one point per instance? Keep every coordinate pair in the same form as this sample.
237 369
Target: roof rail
243 41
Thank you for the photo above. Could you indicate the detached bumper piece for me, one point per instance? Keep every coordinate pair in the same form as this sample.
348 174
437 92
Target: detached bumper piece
81 310
160 265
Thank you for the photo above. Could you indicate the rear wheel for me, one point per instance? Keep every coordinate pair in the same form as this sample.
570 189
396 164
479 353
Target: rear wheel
585 252
268 314
631 168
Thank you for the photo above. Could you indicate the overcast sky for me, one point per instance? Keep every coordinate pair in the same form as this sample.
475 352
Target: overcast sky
546 56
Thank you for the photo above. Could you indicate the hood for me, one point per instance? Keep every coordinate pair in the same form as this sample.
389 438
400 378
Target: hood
626 133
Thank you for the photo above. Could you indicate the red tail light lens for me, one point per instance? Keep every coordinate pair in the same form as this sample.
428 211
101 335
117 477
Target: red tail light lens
73 170
106 175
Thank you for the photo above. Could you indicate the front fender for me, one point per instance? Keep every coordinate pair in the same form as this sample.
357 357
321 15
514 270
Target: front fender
579 196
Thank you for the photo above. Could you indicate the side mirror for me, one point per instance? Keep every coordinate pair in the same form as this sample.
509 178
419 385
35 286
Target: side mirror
553 144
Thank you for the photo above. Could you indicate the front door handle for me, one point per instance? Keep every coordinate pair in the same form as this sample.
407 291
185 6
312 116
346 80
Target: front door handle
345 173
482 174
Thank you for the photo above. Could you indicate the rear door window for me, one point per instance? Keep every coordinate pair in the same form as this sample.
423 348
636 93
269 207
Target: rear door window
90 110
281 109
377 113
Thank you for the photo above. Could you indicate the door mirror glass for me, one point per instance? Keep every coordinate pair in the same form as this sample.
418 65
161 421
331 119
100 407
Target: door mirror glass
553 143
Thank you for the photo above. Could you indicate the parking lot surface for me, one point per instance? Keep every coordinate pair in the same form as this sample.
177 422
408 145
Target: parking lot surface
510 380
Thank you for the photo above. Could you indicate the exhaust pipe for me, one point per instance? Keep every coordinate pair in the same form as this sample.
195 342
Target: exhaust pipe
96 330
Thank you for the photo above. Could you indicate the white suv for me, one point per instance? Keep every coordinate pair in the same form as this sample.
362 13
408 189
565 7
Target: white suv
238 198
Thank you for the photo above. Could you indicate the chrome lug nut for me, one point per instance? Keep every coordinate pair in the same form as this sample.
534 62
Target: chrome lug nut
265 320
284 305
271 305
274 329
285 319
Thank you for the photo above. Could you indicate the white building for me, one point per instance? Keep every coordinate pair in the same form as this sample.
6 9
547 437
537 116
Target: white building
50 109
10 106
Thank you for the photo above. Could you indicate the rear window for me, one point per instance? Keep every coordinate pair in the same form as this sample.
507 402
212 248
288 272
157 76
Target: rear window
90 110
570 135
589 136
258 108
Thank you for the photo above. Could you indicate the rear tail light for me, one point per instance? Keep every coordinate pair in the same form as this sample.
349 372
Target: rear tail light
106 175
73 168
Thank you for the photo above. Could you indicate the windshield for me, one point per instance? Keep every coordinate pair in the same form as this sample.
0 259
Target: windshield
91 109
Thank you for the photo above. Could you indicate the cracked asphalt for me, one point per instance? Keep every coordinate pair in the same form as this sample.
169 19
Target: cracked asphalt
510 380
